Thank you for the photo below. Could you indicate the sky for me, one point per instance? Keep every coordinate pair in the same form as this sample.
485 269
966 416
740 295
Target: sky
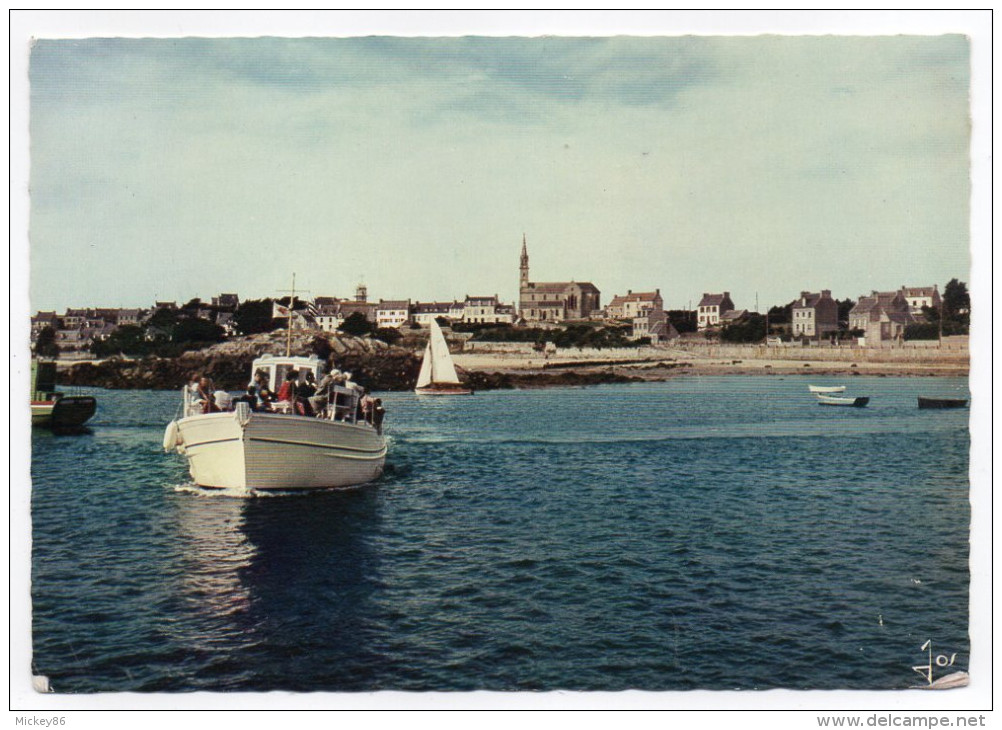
764 165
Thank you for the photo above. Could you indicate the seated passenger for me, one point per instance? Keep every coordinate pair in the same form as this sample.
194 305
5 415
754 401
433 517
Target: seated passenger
205 391
223 400
320 399
249 397
288 390
264 394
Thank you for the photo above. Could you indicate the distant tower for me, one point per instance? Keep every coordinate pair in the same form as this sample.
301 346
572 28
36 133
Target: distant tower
523 266
523 274
361 293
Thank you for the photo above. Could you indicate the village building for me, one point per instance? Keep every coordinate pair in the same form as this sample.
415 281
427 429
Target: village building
554 301
921 296
653 323
814 315
712 308
881 316
633 303
422 313
393 312
485 310
228 302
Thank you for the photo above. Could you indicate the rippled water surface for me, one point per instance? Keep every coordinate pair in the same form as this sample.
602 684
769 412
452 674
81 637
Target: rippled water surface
701 533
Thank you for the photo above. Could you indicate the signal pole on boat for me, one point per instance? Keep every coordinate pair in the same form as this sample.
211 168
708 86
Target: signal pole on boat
292 303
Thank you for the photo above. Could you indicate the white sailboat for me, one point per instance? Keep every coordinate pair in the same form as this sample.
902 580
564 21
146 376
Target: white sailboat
438 373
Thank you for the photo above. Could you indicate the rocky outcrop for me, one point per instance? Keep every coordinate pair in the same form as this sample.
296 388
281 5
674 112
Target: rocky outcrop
373 363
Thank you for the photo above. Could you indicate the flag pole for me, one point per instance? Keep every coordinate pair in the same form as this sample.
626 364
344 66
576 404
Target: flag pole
292 300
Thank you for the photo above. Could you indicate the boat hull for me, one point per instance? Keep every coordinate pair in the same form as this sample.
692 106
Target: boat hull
269 451
70 411
443 390
924 402
826 388
850 402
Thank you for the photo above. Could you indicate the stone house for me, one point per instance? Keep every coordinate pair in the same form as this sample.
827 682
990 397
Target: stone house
814 315
921 296
633 303
711 309
881 316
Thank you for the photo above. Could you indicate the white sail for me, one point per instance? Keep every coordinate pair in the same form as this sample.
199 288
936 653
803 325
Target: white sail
442 369
424 377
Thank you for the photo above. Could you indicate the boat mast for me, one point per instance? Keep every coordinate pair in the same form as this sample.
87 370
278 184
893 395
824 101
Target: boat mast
292 303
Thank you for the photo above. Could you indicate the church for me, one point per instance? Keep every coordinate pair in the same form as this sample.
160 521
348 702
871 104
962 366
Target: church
553 301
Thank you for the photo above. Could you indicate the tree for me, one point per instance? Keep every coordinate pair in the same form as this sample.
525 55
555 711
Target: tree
45 345
844 307
163 319
253 316
956 302
781 314
751 330
389 335
195 329
356 325
683 320
129 339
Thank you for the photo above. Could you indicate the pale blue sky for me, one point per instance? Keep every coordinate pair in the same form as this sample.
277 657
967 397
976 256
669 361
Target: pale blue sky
175 168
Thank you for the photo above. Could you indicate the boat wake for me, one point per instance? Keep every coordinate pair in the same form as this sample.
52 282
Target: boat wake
234 493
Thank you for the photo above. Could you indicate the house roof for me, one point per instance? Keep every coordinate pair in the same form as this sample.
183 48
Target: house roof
482 301
714 300
733 314
559 287
393 304
920 291
636 296
433 307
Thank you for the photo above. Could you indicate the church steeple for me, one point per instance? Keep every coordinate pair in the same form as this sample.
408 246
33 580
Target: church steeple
523 266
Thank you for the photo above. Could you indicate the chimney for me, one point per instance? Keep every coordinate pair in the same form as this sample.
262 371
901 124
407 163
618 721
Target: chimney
826 293
727 294
804 294
629 292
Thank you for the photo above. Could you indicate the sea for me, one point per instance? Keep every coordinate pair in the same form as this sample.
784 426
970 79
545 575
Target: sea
700 533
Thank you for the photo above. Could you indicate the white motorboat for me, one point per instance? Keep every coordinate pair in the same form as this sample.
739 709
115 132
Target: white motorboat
438 373
245 449
826 388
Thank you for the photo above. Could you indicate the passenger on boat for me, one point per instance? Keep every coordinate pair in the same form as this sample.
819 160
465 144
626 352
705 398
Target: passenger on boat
378 414
264 394
367 403
320 399
288 390
249 397
192 401
304 391
223 400
205 390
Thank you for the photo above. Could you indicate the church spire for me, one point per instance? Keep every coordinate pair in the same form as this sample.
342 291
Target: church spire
523 265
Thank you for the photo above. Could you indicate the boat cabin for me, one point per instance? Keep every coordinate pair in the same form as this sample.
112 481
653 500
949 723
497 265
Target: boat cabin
343 405
276 367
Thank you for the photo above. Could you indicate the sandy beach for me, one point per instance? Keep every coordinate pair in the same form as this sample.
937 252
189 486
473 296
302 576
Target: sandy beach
663 363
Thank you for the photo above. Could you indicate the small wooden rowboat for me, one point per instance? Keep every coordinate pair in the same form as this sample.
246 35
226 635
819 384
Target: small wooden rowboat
831 400
924 402
826 388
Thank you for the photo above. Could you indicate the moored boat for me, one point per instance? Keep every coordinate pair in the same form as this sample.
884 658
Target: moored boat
248 449
832 400
926 402
826 388
52 409
438 373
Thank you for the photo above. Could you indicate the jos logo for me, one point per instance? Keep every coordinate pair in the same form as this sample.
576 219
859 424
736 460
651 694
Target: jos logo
941 661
